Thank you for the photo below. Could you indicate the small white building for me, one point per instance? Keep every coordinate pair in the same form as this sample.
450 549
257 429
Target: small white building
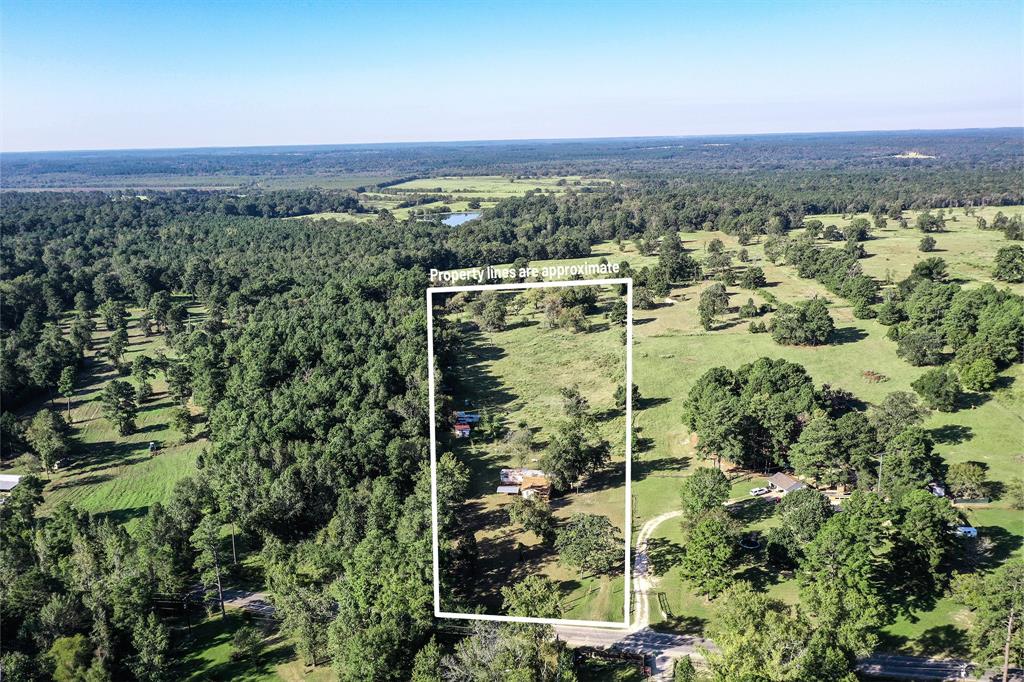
8 482
784 483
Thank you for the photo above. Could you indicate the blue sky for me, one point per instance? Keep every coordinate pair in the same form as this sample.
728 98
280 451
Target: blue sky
101 75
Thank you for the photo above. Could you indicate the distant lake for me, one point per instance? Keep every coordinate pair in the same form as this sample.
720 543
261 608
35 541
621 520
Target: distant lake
454 219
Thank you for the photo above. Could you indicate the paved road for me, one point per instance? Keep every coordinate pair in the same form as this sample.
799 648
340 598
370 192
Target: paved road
920 668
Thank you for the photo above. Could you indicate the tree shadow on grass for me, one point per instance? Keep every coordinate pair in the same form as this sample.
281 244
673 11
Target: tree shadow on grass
994 489
95 456
686 625
1001 545
218 631
944 640
612 476
641 444
1003 382
970 401
646 403
752 510
759 576
474 381
88 479
845 335
609 414
663 554
153 405
952 434
664 465
887 641
522 324
122 516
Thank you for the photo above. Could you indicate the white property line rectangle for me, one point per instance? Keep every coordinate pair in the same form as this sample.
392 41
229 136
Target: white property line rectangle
627 592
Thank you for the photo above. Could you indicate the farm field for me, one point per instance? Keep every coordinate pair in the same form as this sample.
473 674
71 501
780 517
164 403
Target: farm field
459 191
517 373
671 351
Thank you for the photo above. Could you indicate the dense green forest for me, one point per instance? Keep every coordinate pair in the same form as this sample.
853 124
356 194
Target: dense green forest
307 373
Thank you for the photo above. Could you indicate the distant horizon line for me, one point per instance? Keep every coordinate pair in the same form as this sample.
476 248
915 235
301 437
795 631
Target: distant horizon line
522 140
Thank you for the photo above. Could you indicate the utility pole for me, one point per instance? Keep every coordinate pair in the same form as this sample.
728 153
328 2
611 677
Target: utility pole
878 486
1006 647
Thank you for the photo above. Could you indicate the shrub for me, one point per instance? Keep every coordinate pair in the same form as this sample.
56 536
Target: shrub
749 309
753 278
1009 265
939 388
927 244
246 643
890 313
979 375
864 312
920 348
966 479
807 324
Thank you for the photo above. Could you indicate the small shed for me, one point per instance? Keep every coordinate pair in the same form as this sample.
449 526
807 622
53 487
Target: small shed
462 430
508 489
784 483
536 486
467 417
8 482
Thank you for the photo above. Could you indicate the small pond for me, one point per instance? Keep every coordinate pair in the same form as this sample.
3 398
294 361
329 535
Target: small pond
455 219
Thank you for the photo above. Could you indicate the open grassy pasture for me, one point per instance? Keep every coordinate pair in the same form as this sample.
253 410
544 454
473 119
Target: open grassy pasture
109 474
671 351
518 372
968 251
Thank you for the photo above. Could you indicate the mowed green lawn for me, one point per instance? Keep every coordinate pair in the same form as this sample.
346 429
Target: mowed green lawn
207 656
519 372
112 475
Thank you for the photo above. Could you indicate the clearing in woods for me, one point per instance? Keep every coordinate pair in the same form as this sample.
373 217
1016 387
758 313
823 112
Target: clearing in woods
517 374
107 474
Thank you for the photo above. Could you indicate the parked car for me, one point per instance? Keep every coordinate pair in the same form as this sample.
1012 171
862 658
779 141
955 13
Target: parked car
966 531
757 492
